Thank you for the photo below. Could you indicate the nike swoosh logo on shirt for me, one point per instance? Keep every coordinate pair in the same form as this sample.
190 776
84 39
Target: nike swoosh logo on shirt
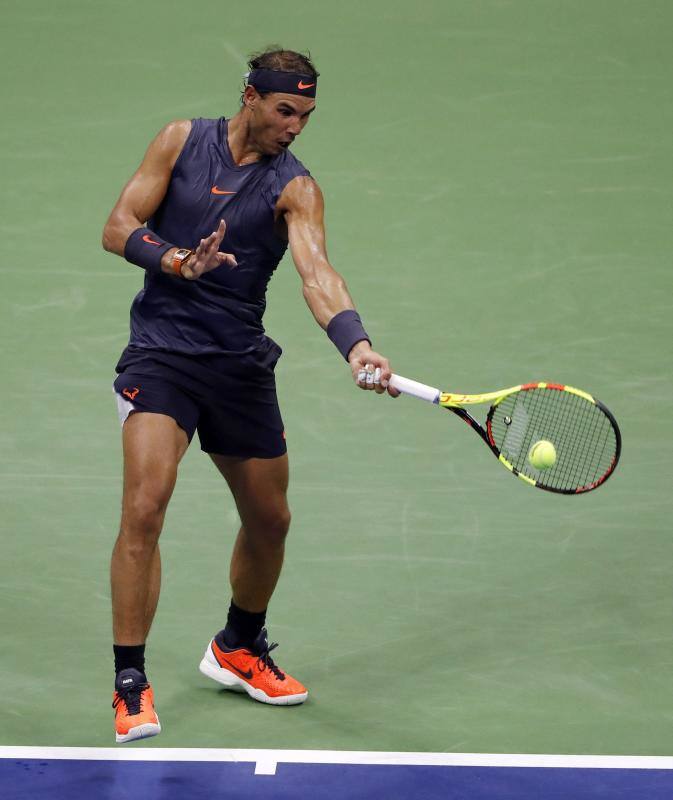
215 190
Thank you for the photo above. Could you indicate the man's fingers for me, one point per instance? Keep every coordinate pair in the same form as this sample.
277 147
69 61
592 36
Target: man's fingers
212 242
227 258
379 388
376 376
207 256
365 379
215 238
221 229
386 374
207 250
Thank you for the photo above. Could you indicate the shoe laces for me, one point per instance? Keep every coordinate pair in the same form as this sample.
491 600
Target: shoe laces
265 661
132 697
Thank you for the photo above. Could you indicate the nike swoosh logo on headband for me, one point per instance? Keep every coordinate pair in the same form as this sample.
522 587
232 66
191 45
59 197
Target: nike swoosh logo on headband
302 85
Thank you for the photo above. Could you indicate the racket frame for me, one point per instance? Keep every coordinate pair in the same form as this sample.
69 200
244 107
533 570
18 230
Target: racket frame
455 402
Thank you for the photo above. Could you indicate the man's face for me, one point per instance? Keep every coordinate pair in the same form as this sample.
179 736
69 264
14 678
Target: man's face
277 119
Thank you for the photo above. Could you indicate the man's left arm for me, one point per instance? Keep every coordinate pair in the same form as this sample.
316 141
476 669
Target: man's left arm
323 287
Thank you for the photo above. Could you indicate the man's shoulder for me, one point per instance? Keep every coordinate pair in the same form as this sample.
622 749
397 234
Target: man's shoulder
199 127
287 164
209 122
177 130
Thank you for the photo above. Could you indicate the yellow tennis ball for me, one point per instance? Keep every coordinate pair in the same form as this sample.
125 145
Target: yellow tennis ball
542 454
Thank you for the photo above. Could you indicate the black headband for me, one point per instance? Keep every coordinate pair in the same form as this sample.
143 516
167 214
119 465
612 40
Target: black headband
272 80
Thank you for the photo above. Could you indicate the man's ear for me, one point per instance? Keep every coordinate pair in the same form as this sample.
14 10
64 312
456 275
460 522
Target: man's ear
250 97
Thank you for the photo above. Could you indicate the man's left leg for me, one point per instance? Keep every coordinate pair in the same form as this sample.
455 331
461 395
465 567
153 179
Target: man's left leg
238 657
259 487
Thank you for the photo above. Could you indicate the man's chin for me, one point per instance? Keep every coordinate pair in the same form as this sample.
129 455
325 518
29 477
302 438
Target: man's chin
274 148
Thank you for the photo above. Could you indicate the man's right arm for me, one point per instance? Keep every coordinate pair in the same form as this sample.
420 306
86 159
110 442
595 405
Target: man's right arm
143 194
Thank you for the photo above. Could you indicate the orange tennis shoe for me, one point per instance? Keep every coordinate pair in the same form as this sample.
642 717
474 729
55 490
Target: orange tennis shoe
252 670
133 702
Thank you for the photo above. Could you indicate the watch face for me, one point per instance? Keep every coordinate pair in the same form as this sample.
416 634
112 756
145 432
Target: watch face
181 255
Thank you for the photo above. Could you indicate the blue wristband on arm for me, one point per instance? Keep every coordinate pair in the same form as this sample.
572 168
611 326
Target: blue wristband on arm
145 249
345 330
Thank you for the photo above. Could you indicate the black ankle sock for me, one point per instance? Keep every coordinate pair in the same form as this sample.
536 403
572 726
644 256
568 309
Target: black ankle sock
242 627
129 655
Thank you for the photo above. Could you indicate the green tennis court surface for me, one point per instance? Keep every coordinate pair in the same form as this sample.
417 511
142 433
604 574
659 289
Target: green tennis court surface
498 188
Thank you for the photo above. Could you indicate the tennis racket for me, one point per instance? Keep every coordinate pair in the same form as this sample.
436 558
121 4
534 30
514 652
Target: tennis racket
583 431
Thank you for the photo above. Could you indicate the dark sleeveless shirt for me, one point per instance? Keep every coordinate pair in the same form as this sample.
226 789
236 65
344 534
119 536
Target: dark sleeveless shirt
221 312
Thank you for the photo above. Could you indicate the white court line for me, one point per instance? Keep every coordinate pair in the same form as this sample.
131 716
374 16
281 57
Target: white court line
266 760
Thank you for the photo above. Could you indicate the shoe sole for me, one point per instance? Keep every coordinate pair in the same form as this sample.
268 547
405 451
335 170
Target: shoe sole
211 669
143 731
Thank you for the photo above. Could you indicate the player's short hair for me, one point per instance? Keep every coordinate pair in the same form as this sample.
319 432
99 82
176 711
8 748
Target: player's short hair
276 57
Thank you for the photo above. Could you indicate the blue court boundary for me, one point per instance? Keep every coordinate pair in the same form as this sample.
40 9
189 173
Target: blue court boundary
179 773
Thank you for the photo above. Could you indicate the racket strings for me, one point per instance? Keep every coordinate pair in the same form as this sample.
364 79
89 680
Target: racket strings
564 414
578 461
581 432
598 441
584 431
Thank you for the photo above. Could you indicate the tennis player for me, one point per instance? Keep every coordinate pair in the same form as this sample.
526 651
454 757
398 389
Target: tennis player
208 215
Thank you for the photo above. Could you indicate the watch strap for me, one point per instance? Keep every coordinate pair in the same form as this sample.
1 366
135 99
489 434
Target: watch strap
179 258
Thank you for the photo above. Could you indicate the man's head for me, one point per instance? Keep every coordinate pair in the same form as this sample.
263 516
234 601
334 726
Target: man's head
278 98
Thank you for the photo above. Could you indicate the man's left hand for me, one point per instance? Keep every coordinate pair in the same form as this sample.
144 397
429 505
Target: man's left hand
370 369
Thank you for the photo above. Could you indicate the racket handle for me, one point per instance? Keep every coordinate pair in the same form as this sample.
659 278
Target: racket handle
415 389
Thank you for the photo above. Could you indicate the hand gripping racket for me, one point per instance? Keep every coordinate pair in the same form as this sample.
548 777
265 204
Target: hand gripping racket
583 431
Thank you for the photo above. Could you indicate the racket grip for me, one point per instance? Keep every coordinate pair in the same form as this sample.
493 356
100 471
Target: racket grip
415 389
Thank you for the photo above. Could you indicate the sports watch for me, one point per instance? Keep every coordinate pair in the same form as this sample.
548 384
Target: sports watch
179 258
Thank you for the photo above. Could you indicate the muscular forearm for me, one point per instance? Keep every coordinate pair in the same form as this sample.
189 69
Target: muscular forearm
327 297
117 230
333 309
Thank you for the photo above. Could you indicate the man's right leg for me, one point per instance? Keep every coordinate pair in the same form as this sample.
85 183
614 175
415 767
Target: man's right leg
153 447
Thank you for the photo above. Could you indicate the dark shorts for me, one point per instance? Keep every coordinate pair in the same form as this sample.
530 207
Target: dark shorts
229 400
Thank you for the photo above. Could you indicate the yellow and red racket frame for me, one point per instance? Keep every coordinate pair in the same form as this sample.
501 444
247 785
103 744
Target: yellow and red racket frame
455 402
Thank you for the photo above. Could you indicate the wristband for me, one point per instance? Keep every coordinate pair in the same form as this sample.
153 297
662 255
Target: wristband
145 249
345 330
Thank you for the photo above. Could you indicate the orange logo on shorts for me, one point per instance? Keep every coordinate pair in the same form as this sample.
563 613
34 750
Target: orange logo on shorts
131 394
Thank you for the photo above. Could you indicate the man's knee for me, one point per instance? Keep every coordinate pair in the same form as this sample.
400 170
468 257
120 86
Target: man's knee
143 512
269 526
281 524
